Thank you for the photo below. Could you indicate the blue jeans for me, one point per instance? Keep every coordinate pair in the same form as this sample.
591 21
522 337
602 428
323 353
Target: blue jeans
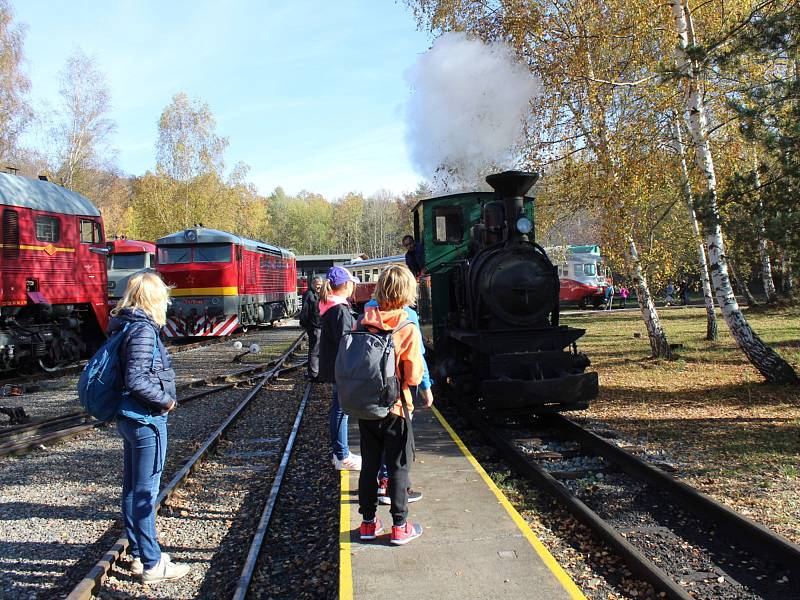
144 449
338 429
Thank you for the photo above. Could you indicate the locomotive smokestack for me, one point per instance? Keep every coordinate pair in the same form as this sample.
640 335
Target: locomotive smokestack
511 186
512 183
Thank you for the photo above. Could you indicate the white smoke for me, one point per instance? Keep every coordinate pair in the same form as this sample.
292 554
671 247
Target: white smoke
467 114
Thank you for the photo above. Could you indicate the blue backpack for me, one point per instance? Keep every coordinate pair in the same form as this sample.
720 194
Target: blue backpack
101 384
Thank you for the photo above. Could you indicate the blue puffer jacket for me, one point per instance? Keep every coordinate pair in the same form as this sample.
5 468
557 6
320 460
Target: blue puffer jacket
149 378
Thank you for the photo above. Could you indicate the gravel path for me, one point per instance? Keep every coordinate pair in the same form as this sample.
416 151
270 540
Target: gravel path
58 396
215 514
59 507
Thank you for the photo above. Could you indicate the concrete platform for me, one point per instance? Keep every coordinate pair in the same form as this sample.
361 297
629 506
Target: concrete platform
474 545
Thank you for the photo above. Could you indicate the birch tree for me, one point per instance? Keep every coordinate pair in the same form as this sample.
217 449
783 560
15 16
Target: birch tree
15 112
83 126
708 299
763 251
767 361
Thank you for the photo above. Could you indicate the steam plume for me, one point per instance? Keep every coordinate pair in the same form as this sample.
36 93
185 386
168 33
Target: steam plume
468 110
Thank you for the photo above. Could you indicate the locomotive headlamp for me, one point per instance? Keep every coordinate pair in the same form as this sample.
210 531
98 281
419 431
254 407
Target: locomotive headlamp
524 225
190 235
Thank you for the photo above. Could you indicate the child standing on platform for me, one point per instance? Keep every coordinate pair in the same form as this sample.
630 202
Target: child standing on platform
390 437
335 319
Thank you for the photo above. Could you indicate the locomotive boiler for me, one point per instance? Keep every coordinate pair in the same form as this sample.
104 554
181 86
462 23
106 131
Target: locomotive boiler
490 303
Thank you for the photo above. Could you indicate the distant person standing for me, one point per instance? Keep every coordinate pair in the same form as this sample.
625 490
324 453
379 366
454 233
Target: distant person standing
669 296
415 256
685 293
609 296
624 292
309 320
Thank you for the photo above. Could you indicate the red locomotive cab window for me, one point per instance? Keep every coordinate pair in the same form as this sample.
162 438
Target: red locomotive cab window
10 234
48 229
90 232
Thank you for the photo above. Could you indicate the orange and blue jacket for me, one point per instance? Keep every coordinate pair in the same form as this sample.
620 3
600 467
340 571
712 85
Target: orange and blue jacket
407 350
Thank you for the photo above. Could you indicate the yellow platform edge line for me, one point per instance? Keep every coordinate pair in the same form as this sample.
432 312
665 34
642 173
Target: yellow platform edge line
345 567
549 560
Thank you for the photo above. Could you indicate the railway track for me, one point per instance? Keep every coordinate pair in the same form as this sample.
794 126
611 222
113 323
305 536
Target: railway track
75 368
681 541
166 501
23 438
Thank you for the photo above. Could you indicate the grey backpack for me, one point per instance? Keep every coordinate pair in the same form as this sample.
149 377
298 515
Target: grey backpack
366 380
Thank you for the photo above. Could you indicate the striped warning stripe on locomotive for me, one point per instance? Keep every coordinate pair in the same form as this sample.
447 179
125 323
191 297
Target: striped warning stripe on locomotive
202 327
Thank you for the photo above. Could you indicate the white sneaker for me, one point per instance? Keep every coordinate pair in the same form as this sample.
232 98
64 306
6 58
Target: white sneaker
137 568
165 570
352 462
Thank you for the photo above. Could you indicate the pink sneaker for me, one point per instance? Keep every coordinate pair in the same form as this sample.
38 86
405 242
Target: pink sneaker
405 533
350 463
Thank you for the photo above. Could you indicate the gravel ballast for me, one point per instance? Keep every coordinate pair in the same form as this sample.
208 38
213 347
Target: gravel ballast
59 506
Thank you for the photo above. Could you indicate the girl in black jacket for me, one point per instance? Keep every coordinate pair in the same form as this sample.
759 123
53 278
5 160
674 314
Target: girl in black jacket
336 318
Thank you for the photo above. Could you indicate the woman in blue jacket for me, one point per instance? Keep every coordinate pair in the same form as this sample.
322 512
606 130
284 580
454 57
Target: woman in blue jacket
148 397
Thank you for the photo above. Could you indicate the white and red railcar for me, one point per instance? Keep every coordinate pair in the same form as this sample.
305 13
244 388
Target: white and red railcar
221 282
52 274
582 274
126 258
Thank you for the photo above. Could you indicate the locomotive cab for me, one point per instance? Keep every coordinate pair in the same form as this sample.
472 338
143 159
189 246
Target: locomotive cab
490 303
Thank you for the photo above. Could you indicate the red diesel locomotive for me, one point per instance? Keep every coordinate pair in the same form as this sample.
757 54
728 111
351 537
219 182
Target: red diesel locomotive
53 269
222 282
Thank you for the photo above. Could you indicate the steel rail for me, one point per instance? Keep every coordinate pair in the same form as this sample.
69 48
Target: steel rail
19 430
7 448
755 536
637 562
263 524
97 575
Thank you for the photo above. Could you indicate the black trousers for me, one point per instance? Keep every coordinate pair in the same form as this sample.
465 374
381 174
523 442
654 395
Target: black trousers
313 350
389 438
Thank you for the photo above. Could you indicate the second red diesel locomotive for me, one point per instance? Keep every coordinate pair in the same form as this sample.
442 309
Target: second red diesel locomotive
221 282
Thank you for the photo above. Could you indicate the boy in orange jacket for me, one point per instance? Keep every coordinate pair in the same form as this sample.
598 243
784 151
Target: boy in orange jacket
396 289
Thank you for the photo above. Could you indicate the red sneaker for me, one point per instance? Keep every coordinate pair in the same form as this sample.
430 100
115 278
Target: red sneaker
369 531
383 489
405 533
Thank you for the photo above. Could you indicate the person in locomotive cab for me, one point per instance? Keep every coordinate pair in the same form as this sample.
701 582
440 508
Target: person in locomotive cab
148 398
390 439
415 256
335 319
309 320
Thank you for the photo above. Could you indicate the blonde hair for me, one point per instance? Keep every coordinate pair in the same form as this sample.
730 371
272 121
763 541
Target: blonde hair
327 289
397 288
148 292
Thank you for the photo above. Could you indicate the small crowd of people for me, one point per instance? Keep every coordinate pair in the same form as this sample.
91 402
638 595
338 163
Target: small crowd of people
387 444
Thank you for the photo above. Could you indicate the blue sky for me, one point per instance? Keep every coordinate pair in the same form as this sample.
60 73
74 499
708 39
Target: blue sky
310 94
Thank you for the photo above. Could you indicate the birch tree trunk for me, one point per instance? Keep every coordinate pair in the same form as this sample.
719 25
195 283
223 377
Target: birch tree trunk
769 364
763 253
711 317
656 333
